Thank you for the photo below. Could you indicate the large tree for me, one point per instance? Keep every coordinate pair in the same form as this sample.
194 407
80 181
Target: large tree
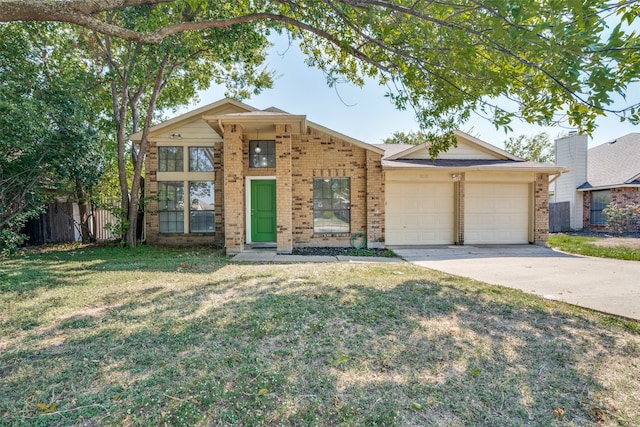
147 79
51 139
445 59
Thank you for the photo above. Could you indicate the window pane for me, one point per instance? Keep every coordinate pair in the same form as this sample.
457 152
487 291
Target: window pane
200 159
331 205
171 207
201 206
170 159
599 201
262 154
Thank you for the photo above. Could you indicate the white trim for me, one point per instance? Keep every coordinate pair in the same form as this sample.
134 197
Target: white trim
247 204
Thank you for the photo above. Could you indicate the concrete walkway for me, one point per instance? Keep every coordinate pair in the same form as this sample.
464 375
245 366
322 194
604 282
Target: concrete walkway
607 285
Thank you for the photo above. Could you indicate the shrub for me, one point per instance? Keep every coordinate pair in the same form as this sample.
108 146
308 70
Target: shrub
621 219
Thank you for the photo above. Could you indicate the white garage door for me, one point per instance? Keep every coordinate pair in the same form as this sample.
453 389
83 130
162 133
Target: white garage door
419 213
496 213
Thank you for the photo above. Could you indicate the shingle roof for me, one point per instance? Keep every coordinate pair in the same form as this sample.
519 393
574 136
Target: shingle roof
479 164
391 149
614 163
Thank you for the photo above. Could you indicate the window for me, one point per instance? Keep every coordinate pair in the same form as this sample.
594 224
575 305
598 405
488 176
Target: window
331 205
171 207
262 154
201 207
170 159
200 159
599 200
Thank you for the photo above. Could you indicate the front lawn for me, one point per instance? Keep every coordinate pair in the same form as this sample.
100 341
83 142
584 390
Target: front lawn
108 336
618 248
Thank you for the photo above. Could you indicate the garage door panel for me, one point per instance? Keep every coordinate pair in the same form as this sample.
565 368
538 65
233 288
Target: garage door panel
496 213
419 213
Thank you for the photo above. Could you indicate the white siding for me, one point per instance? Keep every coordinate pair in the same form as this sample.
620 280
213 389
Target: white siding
571 152
197 129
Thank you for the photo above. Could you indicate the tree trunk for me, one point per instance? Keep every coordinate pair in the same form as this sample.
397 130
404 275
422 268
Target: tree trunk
81 195
134 200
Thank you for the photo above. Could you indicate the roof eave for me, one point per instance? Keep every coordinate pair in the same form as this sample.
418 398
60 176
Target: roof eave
607 187
550 170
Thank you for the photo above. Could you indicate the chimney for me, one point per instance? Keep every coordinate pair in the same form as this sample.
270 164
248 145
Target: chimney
571 152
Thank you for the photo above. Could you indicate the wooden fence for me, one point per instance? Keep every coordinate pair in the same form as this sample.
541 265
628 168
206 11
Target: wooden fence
60 223
559 217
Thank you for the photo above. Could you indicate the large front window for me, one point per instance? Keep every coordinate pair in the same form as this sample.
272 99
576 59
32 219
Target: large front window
331 205
171 207
599 200
262 154
201 206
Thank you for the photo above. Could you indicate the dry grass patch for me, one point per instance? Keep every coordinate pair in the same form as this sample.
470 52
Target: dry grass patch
183 337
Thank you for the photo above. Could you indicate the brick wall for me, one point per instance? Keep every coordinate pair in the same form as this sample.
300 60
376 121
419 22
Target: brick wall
541 209
317 155
375 200
284 162
620 196
234 209
152 226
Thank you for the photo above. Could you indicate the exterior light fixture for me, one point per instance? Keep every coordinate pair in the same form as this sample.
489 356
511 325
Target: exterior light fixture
258 150
175 136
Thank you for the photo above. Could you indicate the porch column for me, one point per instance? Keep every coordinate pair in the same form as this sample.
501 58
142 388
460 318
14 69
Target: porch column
375 201
458 209
233 189
541 209
284 212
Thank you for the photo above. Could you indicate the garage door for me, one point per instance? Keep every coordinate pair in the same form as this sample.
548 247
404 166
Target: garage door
419 213
496 213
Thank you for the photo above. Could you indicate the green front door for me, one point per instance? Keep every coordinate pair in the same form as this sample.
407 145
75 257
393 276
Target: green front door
263 210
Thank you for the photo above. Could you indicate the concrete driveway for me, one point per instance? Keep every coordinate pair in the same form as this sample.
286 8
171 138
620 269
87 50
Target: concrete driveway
607 285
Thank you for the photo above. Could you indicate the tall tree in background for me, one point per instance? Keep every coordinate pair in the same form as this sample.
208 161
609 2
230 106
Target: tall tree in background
411 138
535 148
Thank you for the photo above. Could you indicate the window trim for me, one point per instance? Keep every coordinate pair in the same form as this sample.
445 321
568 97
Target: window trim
177 159
213 209
332 209
180 228
597 212
272 155
200 147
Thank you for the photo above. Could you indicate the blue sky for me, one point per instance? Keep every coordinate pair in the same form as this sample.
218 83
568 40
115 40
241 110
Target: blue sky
365 113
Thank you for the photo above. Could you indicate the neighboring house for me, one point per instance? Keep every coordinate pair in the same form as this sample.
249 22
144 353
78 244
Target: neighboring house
231 175
607 173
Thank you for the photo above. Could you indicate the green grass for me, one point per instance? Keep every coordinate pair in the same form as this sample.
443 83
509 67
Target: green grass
108 336
586 246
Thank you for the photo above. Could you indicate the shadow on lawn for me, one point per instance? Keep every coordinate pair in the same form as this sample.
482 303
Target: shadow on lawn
263 348
29 273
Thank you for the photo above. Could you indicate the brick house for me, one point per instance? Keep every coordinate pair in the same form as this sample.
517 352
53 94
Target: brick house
607 173
230 175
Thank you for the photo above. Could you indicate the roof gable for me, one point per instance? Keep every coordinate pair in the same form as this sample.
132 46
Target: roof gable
166 128
468 148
